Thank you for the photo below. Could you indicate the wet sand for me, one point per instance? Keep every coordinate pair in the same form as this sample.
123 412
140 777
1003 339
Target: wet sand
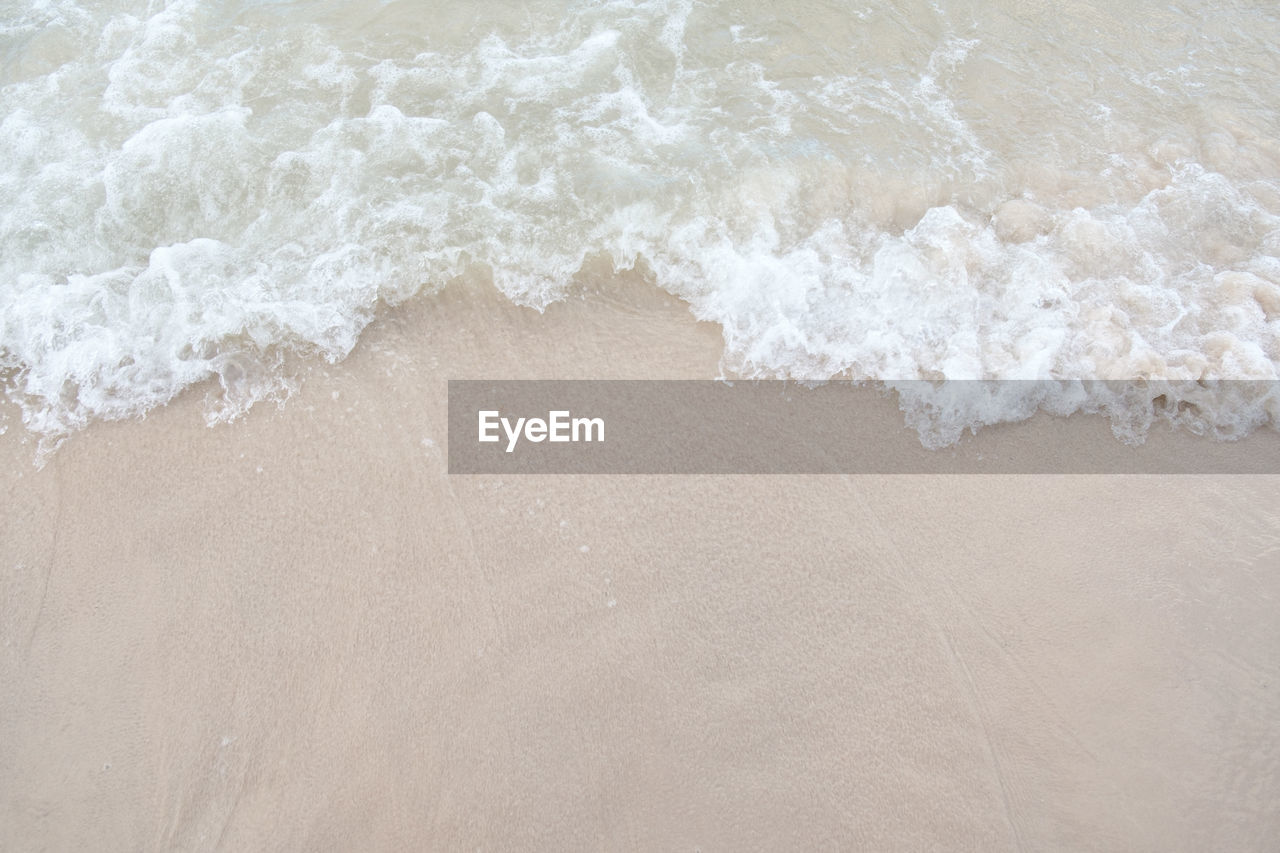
297 632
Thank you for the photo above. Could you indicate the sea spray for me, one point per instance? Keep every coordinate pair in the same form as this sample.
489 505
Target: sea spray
193 192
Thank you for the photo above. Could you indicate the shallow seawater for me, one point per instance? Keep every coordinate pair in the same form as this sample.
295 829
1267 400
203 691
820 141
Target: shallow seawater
996 190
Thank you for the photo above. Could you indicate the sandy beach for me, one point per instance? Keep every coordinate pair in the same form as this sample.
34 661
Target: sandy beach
297 632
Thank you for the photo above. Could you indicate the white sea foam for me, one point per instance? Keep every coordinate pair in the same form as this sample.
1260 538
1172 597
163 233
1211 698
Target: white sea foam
193 191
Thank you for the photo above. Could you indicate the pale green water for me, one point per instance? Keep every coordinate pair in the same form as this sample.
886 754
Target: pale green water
1000 190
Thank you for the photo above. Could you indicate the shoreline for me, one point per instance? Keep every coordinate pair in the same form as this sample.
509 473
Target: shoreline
400 336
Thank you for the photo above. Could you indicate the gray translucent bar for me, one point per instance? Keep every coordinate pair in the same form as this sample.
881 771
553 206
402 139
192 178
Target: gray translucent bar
776 427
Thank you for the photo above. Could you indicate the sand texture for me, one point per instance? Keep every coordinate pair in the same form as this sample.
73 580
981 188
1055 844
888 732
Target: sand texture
297 632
